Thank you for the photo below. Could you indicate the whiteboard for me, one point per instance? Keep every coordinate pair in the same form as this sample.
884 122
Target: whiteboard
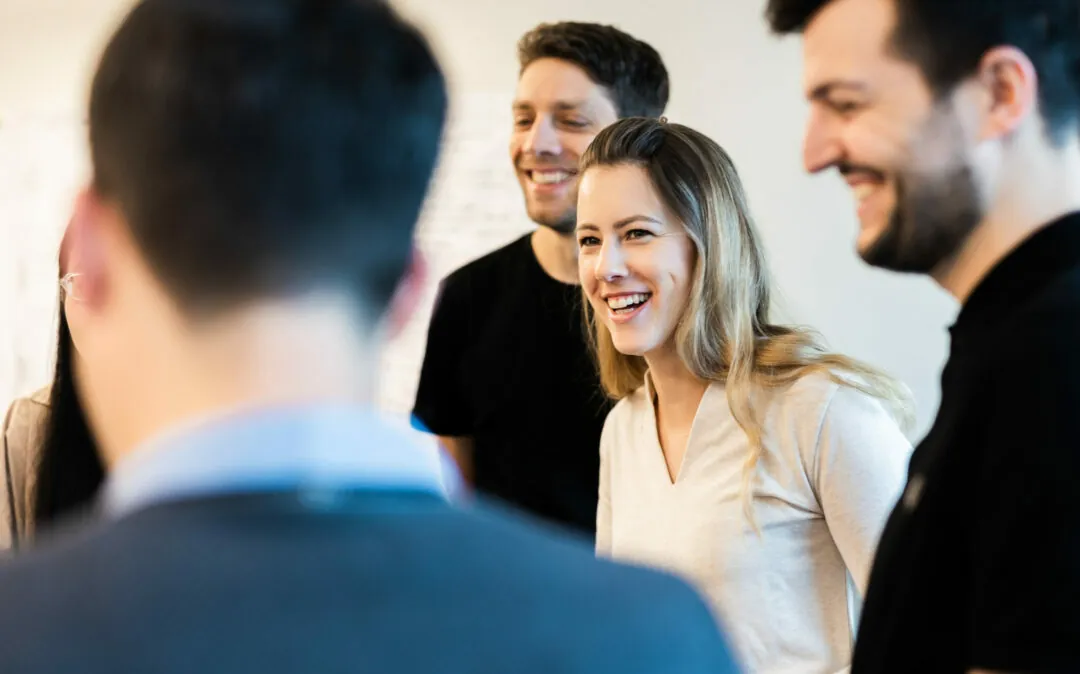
474 206
43 163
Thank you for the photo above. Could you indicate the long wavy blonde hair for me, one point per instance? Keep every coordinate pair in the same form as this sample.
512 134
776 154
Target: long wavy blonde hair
724 333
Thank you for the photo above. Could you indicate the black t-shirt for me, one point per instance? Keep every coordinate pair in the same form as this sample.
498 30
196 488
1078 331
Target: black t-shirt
508 364
979 565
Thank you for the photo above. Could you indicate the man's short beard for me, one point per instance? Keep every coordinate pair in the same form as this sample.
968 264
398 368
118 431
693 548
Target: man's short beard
564 224
933 218
938 203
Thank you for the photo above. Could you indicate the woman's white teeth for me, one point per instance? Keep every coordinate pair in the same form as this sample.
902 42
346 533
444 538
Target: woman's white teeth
549 177
626 303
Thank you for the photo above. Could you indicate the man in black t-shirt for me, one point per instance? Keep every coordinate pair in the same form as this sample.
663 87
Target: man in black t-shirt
955 123
508 383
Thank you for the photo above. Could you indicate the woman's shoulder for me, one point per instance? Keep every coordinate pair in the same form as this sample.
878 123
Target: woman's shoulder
625 413
819 395
630 406
26 414
811 393
834 405
21 440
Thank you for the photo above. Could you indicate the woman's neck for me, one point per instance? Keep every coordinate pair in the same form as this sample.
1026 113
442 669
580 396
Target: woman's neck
678 391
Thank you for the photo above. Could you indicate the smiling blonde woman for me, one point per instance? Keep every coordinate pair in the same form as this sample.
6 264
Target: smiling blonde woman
741 454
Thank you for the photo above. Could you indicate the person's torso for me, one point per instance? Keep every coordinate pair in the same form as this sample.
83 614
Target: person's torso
785 594
918 610
532 390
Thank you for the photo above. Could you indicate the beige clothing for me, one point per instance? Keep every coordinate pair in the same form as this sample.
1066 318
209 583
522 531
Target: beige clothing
834 465
21 440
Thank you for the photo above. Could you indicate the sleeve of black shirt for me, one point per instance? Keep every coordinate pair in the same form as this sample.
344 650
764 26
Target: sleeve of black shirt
1025 584
440 403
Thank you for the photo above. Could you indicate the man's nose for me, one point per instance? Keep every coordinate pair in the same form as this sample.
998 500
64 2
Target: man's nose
542 138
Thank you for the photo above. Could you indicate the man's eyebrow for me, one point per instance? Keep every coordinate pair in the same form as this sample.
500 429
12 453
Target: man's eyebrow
521 106
822 91
572 105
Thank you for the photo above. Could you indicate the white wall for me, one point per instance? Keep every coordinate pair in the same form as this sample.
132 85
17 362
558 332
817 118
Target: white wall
730 79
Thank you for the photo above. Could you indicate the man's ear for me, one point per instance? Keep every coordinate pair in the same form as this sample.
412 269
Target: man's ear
406 298
85 246
1011 90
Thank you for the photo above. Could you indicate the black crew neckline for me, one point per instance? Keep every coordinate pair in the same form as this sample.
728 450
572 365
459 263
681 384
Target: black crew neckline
1034 264
538 269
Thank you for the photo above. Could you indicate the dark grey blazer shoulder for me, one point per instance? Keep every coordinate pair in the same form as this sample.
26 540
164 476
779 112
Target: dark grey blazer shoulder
368 582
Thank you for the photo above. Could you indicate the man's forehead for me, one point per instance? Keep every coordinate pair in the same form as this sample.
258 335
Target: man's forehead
846 41
550 82
567 104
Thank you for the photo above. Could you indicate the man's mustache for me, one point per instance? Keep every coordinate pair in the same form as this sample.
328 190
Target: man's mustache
847 169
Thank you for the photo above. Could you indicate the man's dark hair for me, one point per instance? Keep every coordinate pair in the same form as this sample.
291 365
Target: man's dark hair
946 39
632 71
264 148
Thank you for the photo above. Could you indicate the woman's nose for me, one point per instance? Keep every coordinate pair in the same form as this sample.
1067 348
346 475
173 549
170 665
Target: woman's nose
610 264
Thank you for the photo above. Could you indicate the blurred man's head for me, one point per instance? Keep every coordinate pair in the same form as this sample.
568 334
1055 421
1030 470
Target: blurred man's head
576 78
258 169
927 108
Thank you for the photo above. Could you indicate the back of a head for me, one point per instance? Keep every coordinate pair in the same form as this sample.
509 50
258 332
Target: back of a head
629 69
265 148
947 39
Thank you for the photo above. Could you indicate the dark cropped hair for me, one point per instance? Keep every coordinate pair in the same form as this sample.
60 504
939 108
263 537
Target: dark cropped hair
631 70
264 148
946 39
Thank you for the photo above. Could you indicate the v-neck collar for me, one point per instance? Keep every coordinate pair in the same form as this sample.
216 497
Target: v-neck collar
653 433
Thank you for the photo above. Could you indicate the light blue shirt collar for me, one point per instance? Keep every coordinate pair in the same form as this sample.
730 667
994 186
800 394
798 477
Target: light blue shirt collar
316 448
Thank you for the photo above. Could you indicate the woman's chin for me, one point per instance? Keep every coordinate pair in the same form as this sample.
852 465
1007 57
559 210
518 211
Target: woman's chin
630 347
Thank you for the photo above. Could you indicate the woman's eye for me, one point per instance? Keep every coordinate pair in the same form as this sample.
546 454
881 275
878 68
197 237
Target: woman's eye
637 233
588 241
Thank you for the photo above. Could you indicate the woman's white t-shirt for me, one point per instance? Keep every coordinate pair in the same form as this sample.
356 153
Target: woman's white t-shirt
834 464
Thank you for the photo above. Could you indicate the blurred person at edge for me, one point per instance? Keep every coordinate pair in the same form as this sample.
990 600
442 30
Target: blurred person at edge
49 465
955 124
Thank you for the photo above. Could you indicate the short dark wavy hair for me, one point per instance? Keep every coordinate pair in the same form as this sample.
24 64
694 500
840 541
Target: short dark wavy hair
631 70
946 39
